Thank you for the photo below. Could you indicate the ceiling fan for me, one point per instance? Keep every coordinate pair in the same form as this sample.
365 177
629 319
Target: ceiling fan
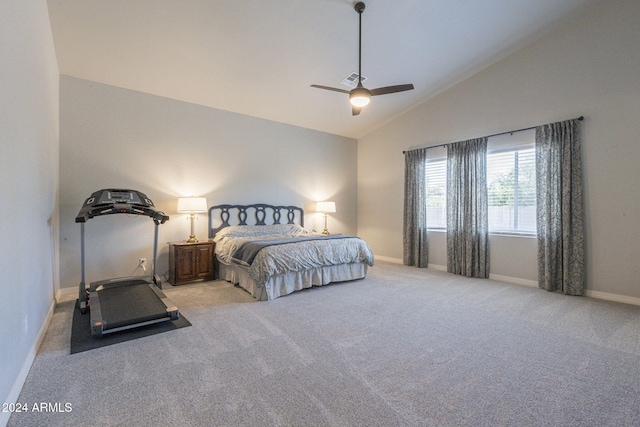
360 96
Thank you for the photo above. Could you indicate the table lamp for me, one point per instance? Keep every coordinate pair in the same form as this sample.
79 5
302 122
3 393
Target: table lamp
192 205
326 208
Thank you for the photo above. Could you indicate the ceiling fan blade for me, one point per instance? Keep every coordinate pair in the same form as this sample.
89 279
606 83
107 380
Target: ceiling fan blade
330 88
355 110
391 89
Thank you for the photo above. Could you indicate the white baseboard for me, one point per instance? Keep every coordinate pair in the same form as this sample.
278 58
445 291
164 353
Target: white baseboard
388 259
588 293
613 297
66 294
514 280
14 394
399 261
531 283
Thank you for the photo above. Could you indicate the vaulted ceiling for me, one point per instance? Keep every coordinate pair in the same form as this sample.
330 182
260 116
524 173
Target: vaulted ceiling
259 57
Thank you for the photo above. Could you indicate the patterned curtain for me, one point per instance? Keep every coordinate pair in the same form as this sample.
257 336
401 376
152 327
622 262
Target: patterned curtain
560 208
467 206
414 245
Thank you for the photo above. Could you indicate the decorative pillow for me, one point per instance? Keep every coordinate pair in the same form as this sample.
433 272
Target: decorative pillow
286 230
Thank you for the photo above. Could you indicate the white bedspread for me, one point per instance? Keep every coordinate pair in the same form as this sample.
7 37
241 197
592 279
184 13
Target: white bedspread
281 259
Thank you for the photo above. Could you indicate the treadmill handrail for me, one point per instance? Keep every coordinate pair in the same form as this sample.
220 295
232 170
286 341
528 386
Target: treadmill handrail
122 208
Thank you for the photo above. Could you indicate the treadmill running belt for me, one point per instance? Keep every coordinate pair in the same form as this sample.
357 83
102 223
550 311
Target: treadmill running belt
127 305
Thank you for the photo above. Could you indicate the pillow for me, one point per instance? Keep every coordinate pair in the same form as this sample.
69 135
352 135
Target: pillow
287 230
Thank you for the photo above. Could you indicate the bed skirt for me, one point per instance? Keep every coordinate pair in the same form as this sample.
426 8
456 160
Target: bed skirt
285 284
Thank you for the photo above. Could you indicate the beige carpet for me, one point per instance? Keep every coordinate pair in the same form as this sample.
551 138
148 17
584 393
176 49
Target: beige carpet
403 347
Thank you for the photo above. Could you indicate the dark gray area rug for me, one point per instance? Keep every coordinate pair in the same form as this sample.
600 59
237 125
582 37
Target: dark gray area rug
82 340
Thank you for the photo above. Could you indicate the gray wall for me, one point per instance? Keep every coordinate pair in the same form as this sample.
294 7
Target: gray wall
29 176
117 138
590 67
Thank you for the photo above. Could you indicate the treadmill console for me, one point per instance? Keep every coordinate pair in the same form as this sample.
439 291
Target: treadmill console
114 201
119 196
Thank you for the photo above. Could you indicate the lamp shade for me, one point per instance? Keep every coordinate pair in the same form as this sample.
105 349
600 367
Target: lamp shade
192 204
326 207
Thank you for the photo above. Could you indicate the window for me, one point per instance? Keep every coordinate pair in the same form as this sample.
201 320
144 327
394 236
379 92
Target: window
436 170
511 187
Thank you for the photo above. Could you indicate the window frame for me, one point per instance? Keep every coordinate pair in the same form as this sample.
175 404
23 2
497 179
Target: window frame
505 149
438 159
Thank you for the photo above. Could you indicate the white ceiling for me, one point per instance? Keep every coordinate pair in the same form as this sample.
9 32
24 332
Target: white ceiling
258 57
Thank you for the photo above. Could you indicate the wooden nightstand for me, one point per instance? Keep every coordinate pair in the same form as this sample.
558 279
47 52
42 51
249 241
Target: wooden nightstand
190 262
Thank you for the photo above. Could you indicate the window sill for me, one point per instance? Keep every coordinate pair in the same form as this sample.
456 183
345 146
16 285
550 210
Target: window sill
493 233
513 234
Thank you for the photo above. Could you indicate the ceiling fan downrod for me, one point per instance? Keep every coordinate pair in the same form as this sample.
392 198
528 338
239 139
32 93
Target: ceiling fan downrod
359 7
360 96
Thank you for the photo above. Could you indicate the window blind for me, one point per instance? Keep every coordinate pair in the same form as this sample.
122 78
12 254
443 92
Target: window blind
511 187
436 170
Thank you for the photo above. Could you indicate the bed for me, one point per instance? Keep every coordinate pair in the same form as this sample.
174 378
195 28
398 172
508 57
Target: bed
266 250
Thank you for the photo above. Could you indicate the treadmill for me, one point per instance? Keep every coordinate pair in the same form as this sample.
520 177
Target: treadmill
125 302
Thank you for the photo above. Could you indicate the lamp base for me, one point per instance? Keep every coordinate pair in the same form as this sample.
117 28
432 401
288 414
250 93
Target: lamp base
192 236
325 231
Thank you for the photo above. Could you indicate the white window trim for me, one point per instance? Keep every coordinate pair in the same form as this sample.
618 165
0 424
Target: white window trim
438 155
509 142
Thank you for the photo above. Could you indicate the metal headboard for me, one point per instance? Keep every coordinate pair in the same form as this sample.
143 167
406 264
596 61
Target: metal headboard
259 214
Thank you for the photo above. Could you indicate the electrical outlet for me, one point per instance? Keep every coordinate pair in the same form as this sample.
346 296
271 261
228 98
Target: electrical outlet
142 262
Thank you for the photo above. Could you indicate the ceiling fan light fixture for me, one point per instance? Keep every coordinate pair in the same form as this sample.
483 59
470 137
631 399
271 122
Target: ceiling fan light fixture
359 97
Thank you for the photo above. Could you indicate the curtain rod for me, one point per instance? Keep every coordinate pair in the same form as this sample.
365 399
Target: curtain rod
581 118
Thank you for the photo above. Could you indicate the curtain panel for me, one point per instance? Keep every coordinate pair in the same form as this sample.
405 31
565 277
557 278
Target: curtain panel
467 209
414 242
560 210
